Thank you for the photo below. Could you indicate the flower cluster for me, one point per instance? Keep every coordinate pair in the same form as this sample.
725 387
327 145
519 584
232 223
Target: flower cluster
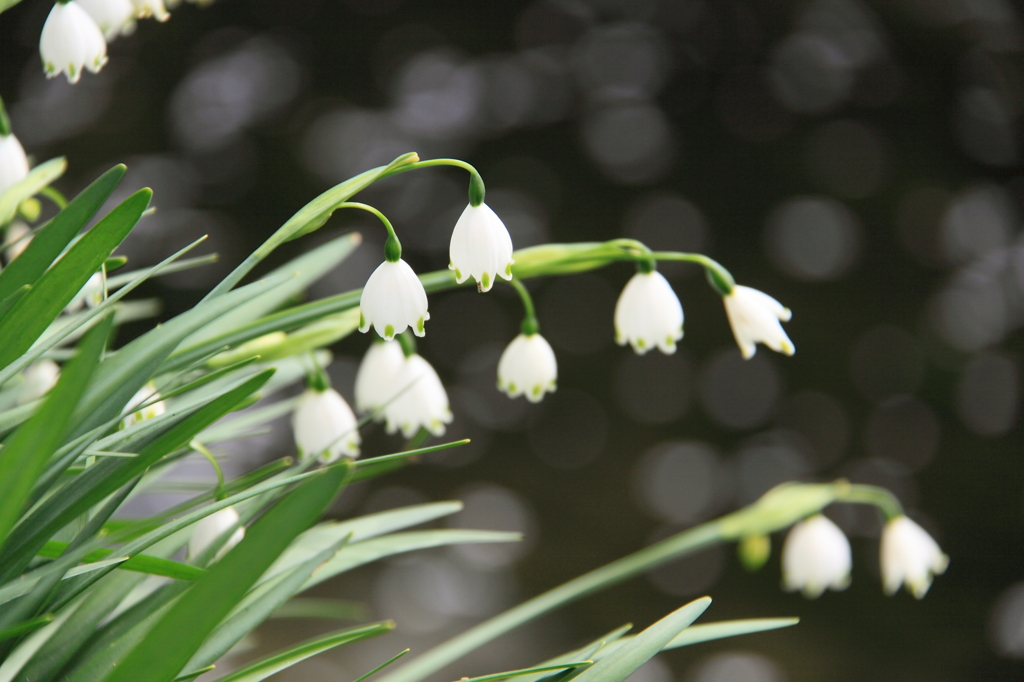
816 557
76 32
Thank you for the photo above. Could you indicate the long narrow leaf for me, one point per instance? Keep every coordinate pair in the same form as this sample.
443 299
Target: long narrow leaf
140 563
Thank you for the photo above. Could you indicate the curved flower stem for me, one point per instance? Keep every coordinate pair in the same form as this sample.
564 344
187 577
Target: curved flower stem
719 278
5 122
530 324
392 247
408 343
872 494
476 183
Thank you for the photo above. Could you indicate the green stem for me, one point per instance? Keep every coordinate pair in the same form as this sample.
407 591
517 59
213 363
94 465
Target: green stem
871 494
392 247
719 278
530 324
476 183
408 343
5 122
202 449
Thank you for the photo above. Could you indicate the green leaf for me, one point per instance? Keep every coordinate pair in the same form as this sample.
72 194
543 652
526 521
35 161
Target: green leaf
635 652
34 312
382 666
305 270
139 563
9 302
102 479
265 667
527 671
310 217
49 242
194 674
25 455
120 279
122 374
161 656
583 653
37 178
321 607
26 627
397 543
15 588
729 628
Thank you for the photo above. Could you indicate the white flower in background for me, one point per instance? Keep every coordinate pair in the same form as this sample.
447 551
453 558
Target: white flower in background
909 556
212 527
16 240
91 295
528 367
393 300
151 8
816 556
325 426
40 377
112 16
375 380
71 41
146 394
481 247
421 400
754 317
13 162
648 314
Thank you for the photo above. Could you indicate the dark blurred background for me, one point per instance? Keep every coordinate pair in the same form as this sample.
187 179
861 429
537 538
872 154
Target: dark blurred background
859 161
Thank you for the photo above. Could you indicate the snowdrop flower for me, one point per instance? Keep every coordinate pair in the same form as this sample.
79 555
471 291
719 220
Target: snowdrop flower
40 377
13 162
210 528
16 240
754 317
421 400
393 300
112 16
71 41
527 367
375 380
648 314
325 426
481 247
909 556
816 556
151 8
146 394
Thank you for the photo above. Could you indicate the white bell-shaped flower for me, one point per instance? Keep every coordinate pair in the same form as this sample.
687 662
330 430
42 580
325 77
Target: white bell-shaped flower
71 41
393 300
155 408
210 528
528 367
648 314
13 162
421 400
151 8
376 378
325 426
112 16
40 377
481 247
909 557
815 556
755 318
16 240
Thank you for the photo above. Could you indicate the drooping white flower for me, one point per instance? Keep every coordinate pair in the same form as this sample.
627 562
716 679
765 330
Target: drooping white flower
648 314
112 16
40 377
375 380
13 162
151 8
528 367
815 556
71 41
421 400
481 247
155 408
17 240
393 300
210 528
325 426
909 556
754 317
